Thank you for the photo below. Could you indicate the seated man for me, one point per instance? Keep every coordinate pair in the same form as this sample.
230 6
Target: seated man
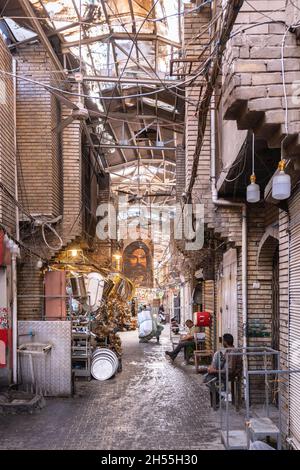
186 340
235 364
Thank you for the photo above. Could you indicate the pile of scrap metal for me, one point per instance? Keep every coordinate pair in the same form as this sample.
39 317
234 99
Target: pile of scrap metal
114 313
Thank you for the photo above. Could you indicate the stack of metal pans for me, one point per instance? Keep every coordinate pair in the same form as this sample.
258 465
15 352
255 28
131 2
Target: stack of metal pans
104 364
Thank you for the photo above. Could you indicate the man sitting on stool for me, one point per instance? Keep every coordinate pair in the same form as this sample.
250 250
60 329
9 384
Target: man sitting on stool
235 364
185 341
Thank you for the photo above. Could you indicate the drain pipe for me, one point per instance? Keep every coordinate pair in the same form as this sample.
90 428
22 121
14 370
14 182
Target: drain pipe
14 255
225 203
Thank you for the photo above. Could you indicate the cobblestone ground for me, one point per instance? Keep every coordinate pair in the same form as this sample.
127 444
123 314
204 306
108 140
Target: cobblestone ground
151 404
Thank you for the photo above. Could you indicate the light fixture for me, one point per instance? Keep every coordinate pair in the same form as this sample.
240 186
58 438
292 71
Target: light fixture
74 253
253 189
117 257
281 186
39 264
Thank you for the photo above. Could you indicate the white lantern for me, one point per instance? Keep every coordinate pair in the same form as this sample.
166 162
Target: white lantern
253 190
39 264
281 186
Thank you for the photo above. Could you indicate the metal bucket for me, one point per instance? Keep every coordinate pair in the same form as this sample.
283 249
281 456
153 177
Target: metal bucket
104 364
78 287
94 286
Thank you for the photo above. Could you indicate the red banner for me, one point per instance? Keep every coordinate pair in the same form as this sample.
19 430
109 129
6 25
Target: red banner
3 347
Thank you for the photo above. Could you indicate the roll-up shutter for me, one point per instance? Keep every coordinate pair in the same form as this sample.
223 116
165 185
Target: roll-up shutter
294 324
229 294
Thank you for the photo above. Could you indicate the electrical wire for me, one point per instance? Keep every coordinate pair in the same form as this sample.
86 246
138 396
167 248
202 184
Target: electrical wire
295 6
253 152
148 63
45 224
19 243
284 81
262 13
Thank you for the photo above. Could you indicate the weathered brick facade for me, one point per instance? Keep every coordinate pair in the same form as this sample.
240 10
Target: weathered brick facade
7 144
38 146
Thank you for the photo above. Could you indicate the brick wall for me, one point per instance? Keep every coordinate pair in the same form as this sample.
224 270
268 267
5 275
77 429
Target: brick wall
49 170
252 78
7 146
38 147
72 177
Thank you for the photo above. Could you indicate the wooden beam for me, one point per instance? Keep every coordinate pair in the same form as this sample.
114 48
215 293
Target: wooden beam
28 10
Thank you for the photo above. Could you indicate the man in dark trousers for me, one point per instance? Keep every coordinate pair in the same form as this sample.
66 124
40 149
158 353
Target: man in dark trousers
235 364
186 340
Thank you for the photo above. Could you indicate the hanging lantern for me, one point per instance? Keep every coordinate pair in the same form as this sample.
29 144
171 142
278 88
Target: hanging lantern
253 190
281 187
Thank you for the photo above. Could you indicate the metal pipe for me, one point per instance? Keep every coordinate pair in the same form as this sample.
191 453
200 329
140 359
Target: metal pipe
14 255
139 80
274 371
134 147
14 317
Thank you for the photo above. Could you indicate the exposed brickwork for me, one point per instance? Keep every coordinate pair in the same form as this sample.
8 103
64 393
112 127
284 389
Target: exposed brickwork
7 146
252 78
38 148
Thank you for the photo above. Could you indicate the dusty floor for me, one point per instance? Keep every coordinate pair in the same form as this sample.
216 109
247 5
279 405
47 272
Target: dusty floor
152 404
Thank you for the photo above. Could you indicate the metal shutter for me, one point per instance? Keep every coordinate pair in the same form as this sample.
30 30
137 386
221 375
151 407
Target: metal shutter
229 294
294 324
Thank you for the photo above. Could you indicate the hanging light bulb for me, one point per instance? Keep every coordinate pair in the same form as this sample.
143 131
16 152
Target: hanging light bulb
253 189
39 264
281 186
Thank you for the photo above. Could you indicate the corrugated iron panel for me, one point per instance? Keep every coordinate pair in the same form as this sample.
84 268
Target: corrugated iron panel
54 374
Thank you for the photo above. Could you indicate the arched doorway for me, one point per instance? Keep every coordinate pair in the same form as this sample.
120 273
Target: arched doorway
268 273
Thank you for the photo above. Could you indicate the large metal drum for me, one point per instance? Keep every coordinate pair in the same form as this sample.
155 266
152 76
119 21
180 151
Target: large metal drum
104 364
78 287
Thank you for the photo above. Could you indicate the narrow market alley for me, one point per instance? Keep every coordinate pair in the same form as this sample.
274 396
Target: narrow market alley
151 404
149 225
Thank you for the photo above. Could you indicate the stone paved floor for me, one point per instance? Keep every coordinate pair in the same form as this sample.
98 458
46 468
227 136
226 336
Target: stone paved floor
151 404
